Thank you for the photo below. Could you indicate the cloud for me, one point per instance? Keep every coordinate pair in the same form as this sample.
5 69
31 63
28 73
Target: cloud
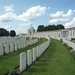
8 8
24 24
70 24
49 7
58 20
59 16
7 27
73 10
19 30
7 17
32 14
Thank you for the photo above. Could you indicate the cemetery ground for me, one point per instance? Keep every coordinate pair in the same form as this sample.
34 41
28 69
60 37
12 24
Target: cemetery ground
11 61
57 60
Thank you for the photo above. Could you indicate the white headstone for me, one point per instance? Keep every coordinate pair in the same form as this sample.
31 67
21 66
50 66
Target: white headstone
34 54
19 46
16 46
29 57
24 44
1 50
22 61
6 48
37 51
11 47
0 43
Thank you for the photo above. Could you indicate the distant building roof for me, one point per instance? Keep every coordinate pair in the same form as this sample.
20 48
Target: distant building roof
31 29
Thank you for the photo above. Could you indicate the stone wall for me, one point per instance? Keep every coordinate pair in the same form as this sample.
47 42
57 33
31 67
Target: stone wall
53 34
63 33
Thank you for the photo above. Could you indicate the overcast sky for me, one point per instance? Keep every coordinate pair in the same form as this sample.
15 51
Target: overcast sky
20 14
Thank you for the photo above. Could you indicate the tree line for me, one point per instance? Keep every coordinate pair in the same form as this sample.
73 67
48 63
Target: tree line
4 32
50 27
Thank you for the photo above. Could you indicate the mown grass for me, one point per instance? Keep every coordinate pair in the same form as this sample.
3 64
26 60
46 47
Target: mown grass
10 61
57 60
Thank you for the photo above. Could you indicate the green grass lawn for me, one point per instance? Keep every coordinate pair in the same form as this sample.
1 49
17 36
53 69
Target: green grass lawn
10 61
57 60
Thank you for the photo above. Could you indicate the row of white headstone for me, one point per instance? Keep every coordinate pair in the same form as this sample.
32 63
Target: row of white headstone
15 45
69 43
26 59
4 40
57 38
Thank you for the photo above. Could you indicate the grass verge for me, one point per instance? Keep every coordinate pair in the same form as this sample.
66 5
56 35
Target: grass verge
57 60
10 61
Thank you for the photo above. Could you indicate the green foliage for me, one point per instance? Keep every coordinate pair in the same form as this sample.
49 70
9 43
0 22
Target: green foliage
69 48
61 41
12 33
65 45
40 28
4 32
72 39
50 27
60 26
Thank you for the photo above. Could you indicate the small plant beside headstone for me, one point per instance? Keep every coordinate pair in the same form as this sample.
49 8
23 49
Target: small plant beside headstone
73 40
14 72
73 54
61 41
70 49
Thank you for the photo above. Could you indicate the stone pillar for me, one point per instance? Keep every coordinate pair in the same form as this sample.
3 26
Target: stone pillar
22 61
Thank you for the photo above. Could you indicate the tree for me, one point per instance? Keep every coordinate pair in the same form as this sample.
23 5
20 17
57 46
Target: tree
46 28
4 32
12 33
60 26
53 27
50 27
7 33
40 28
